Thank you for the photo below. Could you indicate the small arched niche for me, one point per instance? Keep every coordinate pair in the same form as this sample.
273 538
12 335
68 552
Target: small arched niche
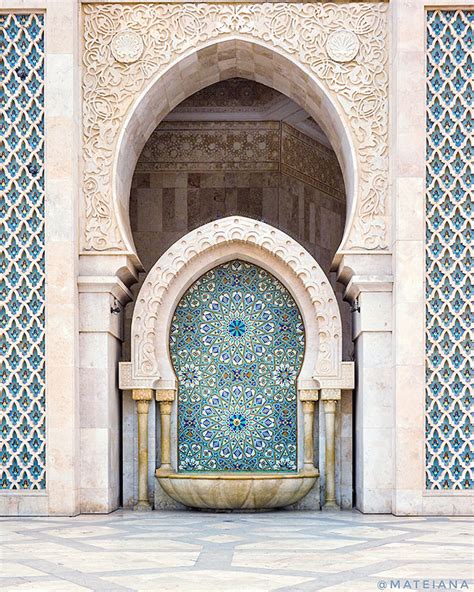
255 246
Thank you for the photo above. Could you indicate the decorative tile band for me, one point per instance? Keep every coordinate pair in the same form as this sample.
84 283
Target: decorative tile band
355 78
242 146
449 400
237 345
22 284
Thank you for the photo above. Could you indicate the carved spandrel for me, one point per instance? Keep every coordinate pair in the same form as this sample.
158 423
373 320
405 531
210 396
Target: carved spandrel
299 30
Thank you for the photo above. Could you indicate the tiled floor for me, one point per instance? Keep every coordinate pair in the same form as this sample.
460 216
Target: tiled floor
205 552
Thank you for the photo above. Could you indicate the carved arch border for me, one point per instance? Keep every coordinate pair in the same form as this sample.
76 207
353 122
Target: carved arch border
209 246
169 32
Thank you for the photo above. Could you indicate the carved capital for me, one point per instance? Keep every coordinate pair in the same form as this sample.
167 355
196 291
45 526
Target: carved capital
165 395
308 406
309 394
329 406
143 407
331 394
166 407
142 394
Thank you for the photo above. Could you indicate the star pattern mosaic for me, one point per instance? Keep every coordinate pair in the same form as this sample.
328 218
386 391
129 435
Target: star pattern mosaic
22 284
237 346
449 400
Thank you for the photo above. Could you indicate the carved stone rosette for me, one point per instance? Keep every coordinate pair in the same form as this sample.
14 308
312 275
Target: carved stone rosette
299 31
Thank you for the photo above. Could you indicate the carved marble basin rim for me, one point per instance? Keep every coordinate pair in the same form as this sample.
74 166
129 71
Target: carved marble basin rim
237 491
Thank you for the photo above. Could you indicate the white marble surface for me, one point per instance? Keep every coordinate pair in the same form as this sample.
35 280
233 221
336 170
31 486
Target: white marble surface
198 552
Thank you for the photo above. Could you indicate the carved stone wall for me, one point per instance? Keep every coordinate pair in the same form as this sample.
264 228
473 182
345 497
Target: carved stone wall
151 314
242 146
126 46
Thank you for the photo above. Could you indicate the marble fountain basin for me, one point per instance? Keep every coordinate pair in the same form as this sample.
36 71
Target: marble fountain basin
237 491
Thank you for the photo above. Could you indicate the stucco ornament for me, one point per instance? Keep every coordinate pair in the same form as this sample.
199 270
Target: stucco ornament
302 268
127 47
342 46
296 31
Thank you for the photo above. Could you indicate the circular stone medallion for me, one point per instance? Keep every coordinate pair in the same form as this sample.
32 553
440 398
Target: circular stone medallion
342 46
127 47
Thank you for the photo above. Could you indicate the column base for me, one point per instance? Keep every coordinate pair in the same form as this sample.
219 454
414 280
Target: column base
330 507
142 507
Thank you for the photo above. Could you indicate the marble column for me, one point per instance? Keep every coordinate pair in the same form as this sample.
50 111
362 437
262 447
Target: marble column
329 398
142 398
308 399
165 397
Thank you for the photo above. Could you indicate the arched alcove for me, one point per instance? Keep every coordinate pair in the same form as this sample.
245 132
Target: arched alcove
151 368
207 65
179 49
214 243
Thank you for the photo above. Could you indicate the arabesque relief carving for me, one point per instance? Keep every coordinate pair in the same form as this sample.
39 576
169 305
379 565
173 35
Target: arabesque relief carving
299 30
242 230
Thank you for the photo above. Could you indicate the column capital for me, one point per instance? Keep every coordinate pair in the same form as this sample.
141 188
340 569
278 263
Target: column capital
308 394
330 405
165 407
143 406
163 395
330 394
142 394
364 272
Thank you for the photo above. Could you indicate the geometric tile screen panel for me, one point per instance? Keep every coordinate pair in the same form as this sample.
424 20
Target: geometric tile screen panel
22 282
237 346
450 103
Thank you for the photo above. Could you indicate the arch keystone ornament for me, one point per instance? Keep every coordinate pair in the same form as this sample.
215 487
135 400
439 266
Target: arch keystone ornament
287 44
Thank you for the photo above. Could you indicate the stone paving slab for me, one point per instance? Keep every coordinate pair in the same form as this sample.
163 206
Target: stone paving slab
218 552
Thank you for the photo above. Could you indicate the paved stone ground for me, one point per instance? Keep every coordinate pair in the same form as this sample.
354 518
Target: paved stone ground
205 552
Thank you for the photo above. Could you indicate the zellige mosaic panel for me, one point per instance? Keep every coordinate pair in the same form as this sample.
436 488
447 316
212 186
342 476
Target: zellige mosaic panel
237 345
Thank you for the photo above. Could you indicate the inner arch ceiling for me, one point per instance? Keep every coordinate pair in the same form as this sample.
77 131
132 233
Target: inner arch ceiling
222 61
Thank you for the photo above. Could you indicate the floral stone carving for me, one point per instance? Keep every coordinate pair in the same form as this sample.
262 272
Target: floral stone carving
342 46
299 31
127 46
